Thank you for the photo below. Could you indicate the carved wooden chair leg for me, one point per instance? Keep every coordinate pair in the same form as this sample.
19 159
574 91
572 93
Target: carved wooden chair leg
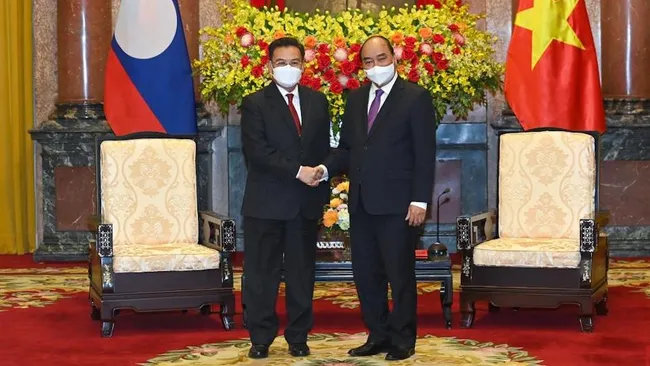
467 311
446 298
228 313
601 306
107 316
492 308
586 315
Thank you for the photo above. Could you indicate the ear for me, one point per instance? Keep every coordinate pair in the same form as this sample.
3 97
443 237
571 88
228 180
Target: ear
269 66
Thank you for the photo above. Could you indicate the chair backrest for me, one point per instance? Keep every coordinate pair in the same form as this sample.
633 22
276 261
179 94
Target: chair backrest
547 183
148 190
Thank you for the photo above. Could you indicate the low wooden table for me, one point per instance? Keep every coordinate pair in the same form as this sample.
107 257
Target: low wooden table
425 271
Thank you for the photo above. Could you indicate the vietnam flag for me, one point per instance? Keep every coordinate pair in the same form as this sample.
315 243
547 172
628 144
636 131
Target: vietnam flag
552 77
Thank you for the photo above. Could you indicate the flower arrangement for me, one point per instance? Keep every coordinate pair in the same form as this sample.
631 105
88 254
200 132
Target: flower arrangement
336 218
437 46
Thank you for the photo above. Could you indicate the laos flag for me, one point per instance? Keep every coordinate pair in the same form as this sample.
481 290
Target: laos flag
148 84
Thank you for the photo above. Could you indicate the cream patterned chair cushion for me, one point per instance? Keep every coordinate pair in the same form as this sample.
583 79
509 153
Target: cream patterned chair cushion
148 194
164 257
148 191
547 183
526 252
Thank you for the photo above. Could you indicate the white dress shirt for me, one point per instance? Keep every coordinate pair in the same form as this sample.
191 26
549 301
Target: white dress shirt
371 97
296 99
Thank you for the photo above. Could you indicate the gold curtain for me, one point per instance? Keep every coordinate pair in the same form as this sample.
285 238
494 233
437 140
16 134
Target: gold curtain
17 222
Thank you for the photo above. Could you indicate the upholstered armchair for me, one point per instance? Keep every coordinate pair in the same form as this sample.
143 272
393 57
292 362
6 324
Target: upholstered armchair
149 254
548 247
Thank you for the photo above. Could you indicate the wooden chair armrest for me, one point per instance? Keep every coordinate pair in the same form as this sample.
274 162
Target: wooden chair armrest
475 229
218 231
102 246
590 230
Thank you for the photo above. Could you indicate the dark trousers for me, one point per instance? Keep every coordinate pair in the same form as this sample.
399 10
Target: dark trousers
269 247
383 252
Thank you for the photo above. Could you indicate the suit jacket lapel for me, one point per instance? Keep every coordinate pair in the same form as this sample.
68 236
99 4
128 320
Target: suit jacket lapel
280 106
392 101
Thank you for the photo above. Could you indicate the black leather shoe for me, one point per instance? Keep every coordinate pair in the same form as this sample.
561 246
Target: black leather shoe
369 349
399 353
299 350
259 351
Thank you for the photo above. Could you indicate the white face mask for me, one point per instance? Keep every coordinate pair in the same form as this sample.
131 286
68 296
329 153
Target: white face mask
381 75
287 76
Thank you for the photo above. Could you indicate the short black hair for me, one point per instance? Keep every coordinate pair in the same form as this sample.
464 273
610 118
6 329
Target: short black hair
390 46
286 42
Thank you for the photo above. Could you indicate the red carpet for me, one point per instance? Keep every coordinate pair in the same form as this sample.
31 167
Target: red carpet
44 319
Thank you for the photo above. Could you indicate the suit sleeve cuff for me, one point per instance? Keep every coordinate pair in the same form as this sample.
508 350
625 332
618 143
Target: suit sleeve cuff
298 174
326 175
422 205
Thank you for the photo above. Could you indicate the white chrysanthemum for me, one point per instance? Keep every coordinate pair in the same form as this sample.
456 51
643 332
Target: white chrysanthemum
343 196
247 40
344 219
340 54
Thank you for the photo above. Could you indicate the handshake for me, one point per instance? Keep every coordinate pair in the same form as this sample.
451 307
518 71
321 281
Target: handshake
311 176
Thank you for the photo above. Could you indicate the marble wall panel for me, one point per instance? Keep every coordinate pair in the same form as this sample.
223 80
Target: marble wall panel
623 191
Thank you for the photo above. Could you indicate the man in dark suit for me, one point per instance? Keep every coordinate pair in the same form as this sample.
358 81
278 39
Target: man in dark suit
285 133
387 142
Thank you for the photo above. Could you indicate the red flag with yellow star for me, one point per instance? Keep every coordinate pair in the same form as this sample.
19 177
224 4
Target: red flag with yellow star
552 77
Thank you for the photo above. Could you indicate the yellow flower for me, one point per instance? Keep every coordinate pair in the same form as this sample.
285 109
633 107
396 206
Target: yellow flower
335 202
343 186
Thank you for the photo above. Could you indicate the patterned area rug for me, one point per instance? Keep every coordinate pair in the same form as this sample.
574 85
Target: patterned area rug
44 317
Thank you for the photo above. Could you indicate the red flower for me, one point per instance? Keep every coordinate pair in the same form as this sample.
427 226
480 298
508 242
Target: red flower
459 3
262 45
329 75
456 51
438 38
357 60
353 83
408 54
453 27
245 61
436 4
264 60
415 61
355 47
323 61
241 31
442 64
409 42
348 67
414 76
429 67
315 83
258 71
324 48
437 56
305 80
336 87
